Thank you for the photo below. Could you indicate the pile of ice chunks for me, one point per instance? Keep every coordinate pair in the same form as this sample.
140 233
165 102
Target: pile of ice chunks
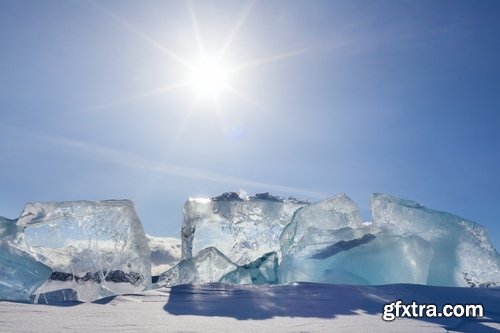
85 250
328 242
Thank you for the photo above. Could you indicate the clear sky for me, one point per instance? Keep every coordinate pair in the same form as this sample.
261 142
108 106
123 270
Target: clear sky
157 101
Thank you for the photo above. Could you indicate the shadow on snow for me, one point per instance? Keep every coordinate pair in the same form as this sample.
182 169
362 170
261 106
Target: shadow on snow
329 301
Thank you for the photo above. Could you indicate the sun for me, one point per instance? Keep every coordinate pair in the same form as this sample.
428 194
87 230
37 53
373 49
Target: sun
209 77
213 75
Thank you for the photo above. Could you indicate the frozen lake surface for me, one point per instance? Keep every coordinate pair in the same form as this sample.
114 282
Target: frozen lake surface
300 307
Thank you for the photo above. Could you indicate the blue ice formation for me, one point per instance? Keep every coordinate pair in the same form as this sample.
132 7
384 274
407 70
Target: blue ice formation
263 270
328 242
20 273
243 228
95 248
211 265
86 250
460 251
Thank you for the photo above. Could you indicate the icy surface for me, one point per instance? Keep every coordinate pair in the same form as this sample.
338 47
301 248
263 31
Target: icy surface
241 228
93 242
9 230
210 265
317 236
460 252
264 270
20 273
368 260
318 224
406 243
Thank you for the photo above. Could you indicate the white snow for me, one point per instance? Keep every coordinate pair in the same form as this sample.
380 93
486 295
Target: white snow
302 307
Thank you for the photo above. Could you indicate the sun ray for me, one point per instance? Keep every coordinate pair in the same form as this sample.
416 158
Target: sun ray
145 37
197 33
185 120
160 90
263 61
244 97
236 29
209 76
220 114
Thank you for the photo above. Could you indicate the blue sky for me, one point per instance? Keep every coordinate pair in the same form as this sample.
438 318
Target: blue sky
399 97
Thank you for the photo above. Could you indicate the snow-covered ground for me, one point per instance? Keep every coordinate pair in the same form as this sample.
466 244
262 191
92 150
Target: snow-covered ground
302 307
